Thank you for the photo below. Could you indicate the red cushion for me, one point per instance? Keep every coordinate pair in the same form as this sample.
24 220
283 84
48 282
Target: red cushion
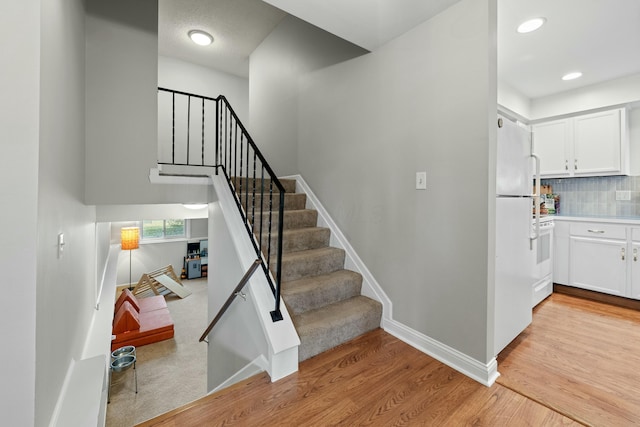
126 295
153 303
155 326
126 319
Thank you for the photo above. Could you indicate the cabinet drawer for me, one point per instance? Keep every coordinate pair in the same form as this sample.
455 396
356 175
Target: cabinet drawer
597 230
635 234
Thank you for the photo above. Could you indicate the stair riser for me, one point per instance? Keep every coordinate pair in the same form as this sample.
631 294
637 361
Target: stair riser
323 294
314 238
244 183
292 219
295 201
336 331
311 266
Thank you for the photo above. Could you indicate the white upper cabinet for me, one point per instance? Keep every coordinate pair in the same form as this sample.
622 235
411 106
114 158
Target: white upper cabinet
598 144
552 144
586 145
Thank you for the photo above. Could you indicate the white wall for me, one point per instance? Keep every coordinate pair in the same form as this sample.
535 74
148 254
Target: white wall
513 100
121 85
237 339
425 101
187 77
66 285
19 121
291 50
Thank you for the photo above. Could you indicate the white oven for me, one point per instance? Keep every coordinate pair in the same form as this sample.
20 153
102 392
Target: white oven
542 261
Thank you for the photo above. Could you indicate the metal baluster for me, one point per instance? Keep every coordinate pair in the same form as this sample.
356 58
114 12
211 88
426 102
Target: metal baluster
261 204
217 140
188 125
173 128
269 223
202 131
253 196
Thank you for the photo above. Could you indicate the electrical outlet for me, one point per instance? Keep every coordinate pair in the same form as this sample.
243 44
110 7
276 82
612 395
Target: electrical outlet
623 195
421 180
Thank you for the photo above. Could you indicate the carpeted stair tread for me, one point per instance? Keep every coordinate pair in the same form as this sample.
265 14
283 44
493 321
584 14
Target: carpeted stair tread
334 324
300 239
292 201
301 218
241 184
313 262
310 293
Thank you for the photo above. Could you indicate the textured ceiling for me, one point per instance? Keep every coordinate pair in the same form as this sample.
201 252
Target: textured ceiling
238 27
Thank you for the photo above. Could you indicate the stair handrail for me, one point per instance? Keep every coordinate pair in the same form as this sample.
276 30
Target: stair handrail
236 292
228 129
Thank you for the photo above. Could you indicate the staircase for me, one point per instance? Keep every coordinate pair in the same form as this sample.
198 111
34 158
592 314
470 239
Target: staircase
322 297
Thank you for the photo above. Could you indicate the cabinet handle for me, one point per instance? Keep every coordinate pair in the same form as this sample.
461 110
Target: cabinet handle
575 164
635 254
596 231
566 164
622 253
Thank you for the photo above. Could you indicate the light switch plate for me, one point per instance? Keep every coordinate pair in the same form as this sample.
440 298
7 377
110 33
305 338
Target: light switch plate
421 180
623 195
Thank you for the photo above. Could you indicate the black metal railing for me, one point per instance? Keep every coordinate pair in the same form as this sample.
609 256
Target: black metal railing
207 132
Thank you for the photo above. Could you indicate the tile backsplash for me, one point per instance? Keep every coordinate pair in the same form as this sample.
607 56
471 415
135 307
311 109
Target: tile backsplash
597 195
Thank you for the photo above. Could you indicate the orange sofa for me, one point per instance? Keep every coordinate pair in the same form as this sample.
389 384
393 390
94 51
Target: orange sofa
142 321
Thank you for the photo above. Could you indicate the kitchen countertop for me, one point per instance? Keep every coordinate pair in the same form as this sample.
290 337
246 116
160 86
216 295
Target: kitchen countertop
631 220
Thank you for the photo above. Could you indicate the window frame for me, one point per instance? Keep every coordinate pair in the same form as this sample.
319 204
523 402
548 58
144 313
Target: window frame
164 237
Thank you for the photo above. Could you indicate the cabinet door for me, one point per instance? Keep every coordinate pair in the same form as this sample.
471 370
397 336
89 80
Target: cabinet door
597 143
635 270
634 264
552 144
598 264
561 253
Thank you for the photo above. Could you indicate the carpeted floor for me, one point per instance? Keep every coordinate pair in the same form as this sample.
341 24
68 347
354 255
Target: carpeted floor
171 373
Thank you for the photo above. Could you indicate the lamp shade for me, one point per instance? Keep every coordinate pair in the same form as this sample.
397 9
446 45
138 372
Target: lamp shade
129 237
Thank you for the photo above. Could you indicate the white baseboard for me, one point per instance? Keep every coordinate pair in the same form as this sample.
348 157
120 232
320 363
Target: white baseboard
254 367
485 374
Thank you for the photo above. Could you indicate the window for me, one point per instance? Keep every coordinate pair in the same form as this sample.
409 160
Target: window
163 228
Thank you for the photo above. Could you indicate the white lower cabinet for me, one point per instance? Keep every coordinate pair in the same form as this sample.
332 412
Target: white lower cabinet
598 265
598 256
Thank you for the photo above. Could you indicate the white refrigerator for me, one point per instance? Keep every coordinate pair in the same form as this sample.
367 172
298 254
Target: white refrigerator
514 201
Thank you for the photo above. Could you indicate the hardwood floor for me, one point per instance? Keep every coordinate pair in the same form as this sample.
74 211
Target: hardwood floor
580 358
574 365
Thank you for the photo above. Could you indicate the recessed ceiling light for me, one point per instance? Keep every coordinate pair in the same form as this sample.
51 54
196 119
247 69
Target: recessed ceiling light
572 76
531 25
200 37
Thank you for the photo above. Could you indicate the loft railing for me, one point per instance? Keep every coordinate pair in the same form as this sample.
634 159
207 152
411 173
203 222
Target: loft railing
195 130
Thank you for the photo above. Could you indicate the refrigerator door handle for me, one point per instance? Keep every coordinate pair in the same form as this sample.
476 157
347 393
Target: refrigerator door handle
536 200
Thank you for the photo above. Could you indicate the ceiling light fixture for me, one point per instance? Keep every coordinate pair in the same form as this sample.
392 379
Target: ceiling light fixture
195 206
572 76
531 25
200 37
